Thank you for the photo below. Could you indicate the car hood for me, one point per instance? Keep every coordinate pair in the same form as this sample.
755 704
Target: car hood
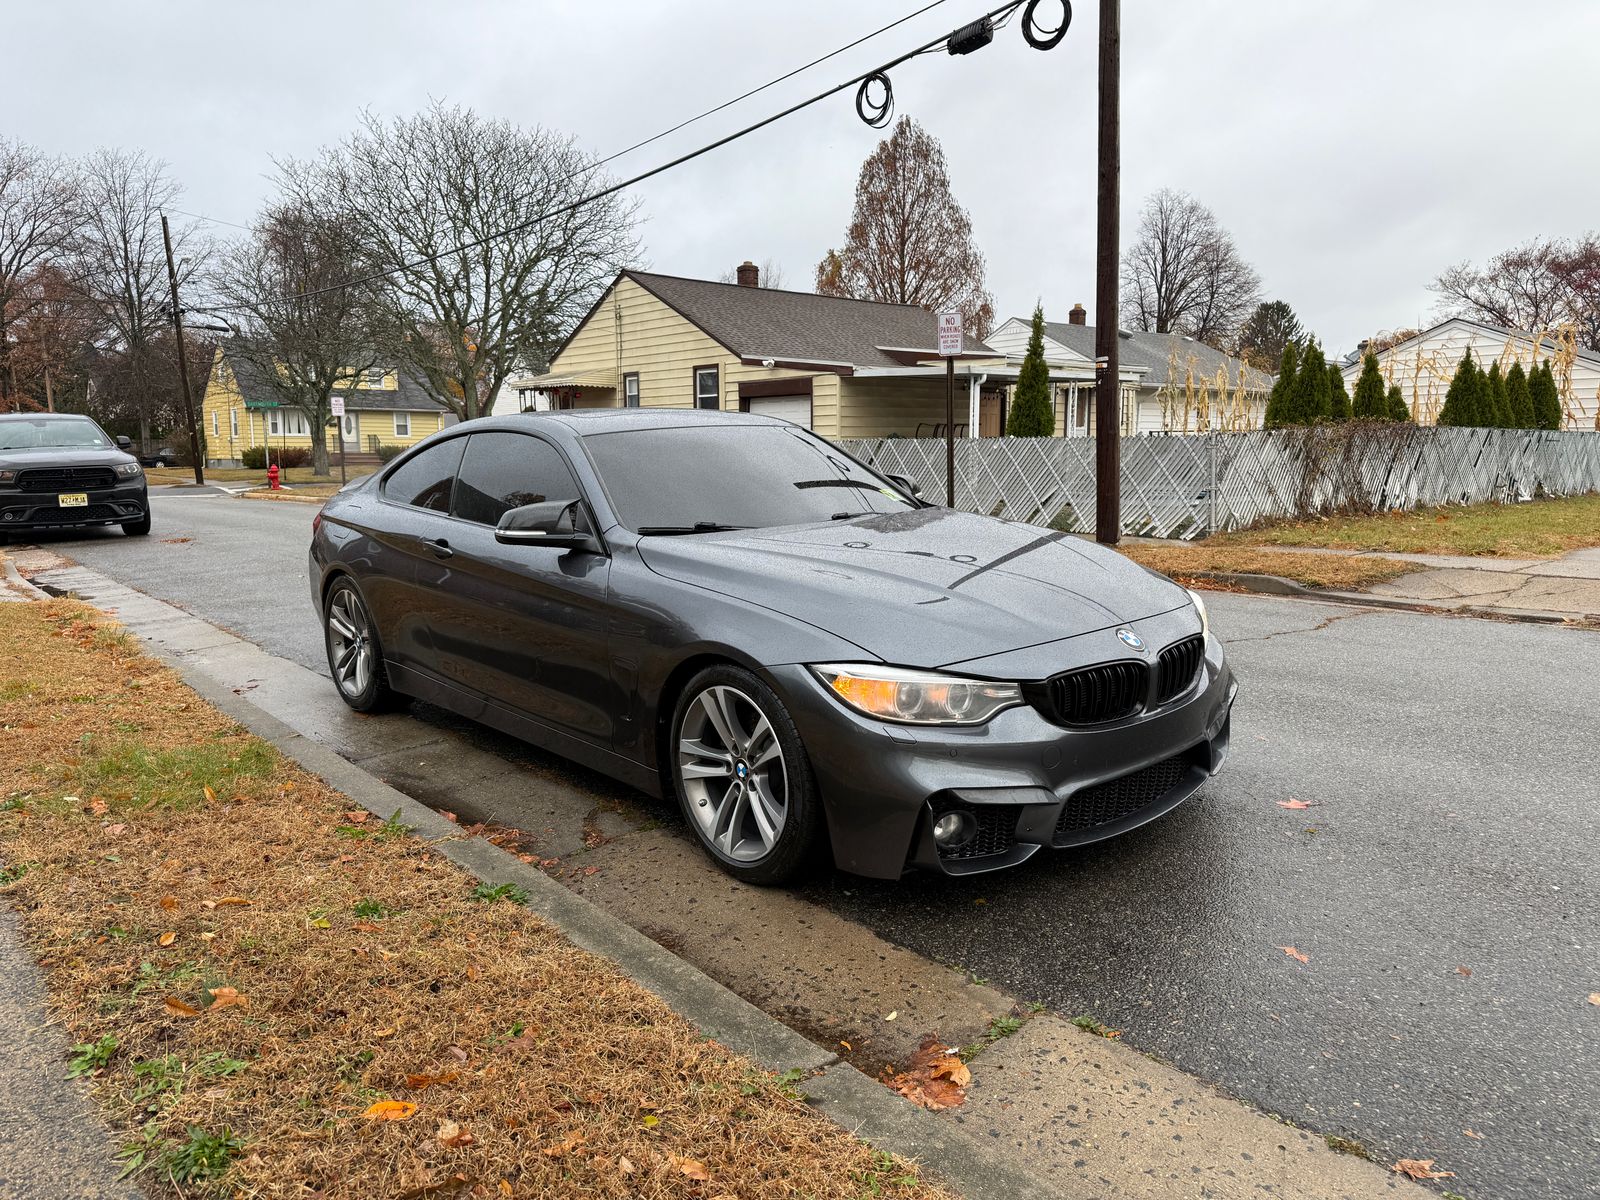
926 587
62 456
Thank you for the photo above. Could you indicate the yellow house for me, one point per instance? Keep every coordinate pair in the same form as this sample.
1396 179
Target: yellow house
383 407
845 368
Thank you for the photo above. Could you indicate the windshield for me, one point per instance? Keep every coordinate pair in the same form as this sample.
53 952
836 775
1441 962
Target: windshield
32 433
733 476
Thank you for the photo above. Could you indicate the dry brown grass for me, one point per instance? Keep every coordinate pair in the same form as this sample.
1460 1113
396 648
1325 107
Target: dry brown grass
365 970
302 493
1338 572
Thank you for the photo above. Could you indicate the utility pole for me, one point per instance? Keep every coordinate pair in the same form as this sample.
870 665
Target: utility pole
1108 382
183 359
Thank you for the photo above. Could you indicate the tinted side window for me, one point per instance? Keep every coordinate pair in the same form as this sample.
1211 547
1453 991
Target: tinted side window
424 479
503 471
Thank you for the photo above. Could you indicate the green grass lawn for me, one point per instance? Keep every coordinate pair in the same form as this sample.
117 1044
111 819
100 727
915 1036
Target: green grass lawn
1538 529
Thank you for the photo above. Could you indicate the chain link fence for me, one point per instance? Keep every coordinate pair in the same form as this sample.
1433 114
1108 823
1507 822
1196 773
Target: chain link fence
1189 485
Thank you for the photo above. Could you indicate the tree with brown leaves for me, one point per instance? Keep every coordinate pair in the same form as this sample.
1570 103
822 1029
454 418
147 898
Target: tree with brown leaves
1540 284
909 241
1183 273
40 215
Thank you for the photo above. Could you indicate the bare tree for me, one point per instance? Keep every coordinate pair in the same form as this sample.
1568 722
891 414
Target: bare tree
1183 273
771 275
40 214
417 187
1540 284
305 328
51 336
909 242
122 274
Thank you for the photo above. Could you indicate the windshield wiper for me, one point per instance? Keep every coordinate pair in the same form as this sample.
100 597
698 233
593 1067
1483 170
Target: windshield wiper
697 527
849 483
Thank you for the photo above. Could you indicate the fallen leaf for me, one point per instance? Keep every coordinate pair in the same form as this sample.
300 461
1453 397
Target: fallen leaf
1594 997
1464 971
167 938
1420 1168
1472 1133
357 818
452 1135
1291 804
564 1147
391 1110
226 901
447 815
227 997
935 1078
505 1187
169 903
210 795
418 1082
457 1052
116 830
892 1015
98 807
846 1044
650 1120
364 927
1295 954
177 1008
693 1168
625 1165
383 1033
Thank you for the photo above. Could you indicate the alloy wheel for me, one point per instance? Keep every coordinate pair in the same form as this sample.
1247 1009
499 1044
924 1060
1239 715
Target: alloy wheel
733 773
350 643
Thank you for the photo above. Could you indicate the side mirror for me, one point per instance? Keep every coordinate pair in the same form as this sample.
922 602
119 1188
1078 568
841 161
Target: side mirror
558 523
124 442
904 484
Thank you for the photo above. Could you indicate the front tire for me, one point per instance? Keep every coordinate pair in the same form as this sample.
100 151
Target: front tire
138 528
355 655
742 777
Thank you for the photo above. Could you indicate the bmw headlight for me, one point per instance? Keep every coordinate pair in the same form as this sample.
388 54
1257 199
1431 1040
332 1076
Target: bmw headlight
128 470
917 697
1200 607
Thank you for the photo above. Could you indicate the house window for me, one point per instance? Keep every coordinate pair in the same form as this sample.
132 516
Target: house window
233 423
351 429
282 421
402 424
705 388
274 422
630 388
525 399
216 429
374 377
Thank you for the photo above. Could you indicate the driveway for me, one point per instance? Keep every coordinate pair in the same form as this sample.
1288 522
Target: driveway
1440 882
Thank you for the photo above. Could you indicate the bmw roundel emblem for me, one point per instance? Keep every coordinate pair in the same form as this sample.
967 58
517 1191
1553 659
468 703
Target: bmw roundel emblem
741 770
1130 638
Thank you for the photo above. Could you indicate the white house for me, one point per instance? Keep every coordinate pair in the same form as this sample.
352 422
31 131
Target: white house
1425 364
1174 383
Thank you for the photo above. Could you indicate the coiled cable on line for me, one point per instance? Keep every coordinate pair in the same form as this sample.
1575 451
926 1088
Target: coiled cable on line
1045 39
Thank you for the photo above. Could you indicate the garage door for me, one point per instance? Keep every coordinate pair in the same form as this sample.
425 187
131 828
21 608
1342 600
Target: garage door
790 408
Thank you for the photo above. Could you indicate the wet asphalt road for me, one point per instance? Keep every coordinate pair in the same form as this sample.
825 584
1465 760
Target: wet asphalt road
1441 884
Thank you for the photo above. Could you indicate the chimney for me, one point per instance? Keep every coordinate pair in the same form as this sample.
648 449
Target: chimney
1078 315
748 274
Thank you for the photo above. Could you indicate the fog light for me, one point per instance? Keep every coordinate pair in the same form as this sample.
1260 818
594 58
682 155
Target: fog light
954 828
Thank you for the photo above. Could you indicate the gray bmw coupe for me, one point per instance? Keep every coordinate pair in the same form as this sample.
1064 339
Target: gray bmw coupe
729 610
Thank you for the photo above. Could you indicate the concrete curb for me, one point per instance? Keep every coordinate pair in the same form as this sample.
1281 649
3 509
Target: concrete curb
838 1090
1276 585
15 579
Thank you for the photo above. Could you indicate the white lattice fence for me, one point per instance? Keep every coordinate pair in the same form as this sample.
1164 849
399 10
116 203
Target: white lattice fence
1185 486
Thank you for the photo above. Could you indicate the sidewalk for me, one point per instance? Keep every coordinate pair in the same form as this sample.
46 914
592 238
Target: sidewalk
1565 587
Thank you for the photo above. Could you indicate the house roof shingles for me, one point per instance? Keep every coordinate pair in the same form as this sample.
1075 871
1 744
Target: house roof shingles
769 323
408 396
1152 353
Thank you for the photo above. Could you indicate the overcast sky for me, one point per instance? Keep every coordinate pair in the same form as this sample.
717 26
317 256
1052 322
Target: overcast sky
1353 150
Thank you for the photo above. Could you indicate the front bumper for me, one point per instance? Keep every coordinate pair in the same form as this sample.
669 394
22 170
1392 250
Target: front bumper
43 510
1027 782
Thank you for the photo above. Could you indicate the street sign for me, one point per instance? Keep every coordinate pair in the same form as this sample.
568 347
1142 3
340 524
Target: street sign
336 405
950 340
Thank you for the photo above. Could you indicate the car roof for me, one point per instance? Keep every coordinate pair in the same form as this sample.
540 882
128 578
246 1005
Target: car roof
45 416
587 421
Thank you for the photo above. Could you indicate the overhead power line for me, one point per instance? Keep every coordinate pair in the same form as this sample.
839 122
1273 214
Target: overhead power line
875 110
656 137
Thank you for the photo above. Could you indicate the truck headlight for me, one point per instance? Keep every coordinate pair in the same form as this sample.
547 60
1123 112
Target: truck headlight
917 697
128 470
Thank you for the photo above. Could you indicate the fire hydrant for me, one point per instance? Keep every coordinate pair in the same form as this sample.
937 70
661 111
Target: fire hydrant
272 477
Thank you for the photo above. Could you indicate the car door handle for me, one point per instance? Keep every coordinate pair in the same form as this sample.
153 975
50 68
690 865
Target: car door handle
440 547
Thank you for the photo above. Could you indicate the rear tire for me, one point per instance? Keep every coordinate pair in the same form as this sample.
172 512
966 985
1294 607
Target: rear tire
355 655
743 779
137 528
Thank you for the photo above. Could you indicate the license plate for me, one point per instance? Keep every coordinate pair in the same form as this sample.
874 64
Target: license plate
73 499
